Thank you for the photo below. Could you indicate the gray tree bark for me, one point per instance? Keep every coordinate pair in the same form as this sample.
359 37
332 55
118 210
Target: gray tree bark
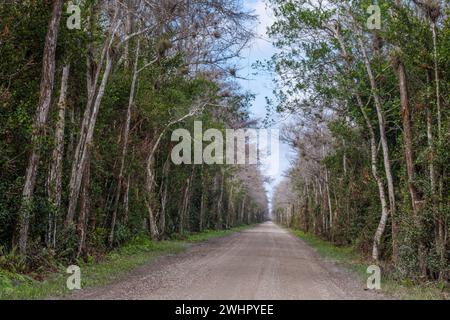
40 121
373 148
125 137
164 194
55 175
95 97
384 145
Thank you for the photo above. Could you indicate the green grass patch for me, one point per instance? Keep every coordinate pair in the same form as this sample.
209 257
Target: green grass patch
114 266
352 260
208 234
344 255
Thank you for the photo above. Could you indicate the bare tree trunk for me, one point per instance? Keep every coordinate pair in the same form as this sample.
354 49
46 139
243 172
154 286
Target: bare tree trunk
128 31
149 173
219 202
184 214
381 193
148 197
85 208
408 148
440 241
441 223
430 140
90 117
320 202
71 143
126 201
164 188
40 120
54 190
407 138
436 78
344 157
230 208
385 147
373 148
151 220
330 209
84 142
182 208
202 202
55 175
242 210
125 137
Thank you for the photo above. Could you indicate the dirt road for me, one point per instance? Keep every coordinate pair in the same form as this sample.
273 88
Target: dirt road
264 262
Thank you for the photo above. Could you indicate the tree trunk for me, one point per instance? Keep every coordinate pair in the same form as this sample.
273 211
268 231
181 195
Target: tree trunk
202 202
40 121
85 208
151 220
182 208
408 149
430 140
126 132
385 147
242 210
153 227
230 208
126 201
436 78
373 151
128 31
330 209
148 198
81 154
407 136
89 120
55 175
184 212
219 202
442 234
164 193
381 193
150 177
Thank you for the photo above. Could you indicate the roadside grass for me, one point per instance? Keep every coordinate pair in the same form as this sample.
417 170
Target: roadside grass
343 255
352 260
115 265
208 234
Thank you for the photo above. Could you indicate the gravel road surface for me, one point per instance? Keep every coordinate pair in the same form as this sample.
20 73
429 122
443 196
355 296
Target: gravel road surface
265 262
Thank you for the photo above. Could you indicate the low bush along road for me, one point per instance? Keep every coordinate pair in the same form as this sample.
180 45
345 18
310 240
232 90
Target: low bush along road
264 262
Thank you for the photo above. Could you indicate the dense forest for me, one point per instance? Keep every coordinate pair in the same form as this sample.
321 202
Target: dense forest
370 107
87 107
92 92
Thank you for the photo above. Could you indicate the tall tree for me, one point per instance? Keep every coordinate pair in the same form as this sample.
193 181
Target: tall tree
40 121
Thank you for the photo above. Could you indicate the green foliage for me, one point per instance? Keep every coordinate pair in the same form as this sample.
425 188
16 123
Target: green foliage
332 188
166 90
115 265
